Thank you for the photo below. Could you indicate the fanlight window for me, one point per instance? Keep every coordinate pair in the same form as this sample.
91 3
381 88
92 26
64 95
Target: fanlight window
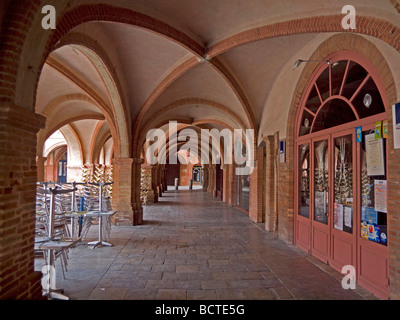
343 92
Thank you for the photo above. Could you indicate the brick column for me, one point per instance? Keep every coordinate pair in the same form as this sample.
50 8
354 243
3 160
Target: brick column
40 161
18 174
256 187
234 186
269 182
205 178
137 203
154 182
122 191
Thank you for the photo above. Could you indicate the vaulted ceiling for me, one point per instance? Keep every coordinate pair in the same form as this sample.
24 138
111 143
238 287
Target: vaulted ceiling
197 63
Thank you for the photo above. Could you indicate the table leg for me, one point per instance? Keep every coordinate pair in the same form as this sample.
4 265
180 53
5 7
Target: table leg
100 240
51 292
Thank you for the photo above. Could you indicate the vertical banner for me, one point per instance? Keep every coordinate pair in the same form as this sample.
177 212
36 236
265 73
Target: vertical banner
359 134
378 130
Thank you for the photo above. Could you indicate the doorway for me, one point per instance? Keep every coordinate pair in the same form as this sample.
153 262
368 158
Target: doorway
340 179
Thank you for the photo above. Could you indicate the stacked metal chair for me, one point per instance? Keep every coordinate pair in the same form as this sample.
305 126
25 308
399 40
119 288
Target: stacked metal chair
91 196
60 224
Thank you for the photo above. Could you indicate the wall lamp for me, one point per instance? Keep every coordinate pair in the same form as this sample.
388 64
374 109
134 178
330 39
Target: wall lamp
298 62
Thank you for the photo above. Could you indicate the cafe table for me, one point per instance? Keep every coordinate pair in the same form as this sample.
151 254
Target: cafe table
101 215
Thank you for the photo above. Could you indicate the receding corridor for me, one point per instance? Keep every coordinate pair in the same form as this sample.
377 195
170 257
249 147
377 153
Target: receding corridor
190 247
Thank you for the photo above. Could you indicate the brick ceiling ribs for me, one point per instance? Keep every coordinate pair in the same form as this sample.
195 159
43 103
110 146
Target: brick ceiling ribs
170 60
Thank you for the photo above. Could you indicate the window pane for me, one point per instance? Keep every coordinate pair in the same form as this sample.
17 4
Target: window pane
368 100
323 84
304 180
343 214
321 158
335 112
306 122
355 76
338 70
313 102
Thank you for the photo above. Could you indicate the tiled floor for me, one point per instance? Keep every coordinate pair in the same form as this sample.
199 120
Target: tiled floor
192 247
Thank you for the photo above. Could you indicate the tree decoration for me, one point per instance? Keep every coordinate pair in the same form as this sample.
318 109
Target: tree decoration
343 177
145 185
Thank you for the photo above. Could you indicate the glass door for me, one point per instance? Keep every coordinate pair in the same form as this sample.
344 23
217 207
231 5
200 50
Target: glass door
321 181
343 235
373 252
303 196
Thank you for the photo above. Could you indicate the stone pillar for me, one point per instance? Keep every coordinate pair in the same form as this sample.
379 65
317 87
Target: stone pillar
18 176
122 191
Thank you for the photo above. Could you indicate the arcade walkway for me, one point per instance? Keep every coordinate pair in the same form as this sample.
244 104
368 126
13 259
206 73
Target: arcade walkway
193 246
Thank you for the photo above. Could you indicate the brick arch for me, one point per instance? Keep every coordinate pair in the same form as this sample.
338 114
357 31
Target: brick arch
179 103
371 26
341 42
174 142
53 174
43 136
118 116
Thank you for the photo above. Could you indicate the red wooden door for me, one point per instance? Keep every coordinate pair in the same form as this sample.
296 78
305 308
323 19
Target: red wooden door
321 197
345 200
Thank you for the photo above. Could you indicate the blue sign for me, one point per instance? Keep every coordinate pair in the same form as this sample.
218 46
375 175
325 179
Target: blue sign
369 215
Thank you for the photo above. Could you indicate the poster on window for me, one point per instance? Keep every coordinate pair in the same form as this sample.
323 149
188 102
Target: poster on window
396 125
338 216
380 187
375 155
348 216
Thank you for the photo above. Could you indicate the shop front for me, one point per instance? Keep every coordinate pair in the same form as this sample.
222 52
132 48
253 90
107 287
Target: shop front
341 169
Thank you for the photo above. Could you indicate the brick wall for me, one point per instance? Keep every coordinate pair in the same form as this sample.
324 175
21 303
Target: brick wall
18 128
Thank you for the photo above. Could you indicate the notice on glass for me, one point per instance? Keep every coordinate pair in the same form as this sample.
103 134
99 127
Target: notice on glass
338 216
380 195
375 155
348 215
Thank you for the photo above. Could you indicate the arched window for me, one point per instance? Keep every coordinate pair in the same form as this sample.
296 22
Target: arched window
342 92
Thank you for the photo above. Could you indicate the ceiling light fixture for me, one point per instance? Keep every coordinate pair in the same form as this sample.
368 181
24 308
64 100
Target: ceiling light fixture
299 62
